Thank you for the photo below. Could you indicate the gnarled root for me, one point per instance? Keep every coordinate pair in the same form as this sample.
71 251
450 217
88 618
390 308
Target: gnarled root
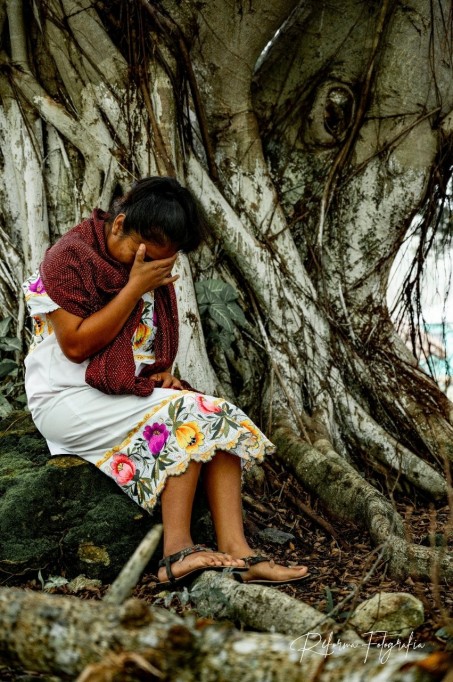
346 495
258 607
387 450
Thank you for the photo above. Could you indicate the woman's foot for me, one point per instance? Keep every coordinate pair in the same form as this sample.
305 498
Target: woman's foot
264 570
195 560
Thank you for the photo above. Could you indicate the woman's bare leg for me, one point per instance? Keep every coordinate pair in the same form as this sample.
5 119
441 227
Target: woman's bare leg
222 480
222 483
177 501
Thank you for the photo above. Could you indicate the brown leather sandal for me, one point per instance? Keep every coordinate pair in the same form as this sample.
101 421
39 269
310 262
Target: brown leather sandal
187 577
257 559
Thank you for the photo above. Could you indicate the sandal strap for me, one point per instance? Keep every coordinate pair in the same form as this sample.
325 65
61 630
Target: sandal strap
254 559
179 556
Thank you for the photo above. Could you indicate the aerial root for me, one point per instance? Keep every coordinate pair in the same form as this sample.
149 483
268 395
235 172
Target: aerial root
381 446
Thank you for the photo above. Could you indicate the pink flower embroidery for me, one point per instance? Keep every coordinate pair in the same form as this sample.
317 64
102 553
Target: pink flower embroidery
207 406
37 287
156 435
123 469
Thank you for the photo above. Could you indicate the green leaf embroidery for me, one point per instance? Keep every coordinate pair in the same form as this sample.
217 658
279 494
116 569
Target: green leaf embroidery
178 407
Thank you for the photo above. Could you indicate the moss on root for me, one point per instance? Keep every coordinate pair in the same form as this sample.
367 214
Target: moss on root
54 509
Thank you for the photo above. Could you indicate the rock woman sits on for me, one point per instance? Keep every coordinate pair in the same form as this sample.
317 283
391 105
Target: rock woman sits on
99 382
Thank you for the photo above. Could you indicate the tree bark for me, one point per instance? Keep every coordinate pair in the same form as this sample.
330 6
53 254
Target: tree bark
347 496
260 608
67 636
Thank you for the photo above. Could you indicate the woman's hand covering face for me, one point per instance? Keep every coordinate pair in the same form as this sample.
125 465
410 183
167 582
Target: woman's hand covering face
147 275
79 338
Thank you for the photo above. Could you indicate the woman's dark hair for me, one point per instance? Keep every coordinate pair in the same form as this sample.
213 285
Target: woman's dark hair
161 210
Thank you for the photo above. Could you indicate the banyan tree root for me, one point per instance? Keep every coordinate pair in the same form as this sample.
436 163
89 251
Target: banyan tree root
261 608
69 637
346 495
389 452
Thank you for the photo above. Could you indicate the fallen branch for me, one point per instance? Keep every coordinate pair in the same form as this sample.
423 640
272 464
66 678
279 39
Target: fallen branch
122 587
255 504
63 636
305 509
261 608
308 511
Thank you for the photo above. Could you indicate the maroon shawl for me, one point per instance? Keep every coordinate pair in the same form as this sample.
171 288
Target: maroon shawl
81 277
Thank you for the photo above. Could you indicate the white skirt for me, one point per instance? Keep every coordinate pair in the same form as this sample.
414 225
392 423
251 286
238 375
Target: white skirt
141 441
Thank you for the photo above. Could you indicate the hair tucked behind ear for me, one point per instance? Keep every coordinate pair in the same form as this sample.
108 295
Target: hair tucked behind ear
161 210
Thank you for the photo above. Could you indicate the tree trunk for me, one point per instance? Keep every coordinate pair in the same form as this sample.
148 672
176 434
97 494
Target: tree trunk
309 171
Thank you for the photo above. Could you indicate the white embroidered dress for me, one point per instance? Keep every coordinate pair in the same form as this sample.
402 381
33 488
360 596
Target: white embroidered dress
137 441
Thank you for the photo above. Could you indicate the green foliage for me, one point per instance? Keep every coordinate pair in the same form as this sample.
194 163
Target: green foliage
12 394
217 302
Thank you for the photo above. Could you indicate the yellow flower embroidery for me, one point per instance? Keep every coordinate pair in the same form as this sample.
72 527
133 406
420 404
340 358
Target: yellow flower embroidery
250 427
206 456
189 436
179 468
141 336
38 324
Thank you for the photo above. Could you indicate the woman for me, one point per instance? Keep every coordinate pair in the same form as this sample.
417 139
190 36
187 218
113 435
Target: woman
99 382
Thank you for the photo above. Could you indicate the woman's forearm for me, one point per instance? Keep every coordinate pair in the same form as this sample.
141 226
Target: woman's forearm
80 338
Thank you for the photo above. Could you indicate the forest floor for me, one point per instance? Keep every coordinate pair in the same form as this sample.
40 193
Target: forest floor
347 567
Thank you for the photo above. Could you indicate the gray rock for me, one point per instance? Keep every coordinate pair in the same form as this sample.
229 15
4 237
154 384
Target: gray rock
396 613
61 514
275 536
83 583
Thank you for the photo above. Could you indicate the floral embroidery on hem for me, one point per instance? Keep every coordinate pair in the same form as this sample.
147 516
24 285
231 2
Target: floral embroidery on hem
132 433
173 434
